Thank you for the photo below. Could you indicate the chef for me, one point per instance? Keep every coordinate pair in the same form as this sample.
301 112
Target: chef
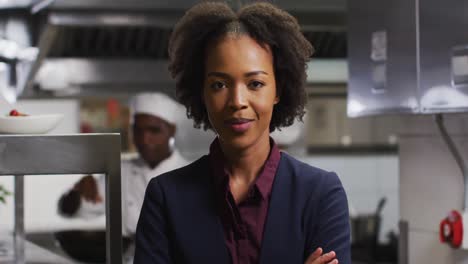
154 117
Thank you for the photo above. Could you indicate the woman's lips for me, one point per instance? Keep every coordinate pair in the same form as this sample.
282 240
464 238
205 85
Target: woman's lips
239 125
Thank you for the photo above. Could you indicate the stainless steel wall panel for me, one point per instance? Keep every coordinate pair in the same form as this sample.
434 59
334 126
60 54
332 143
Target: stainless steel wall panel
444 43
423 65
381 80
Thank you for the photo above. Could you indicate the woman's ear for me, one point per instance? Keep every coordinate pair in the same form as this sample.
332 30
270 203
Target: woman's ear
277 99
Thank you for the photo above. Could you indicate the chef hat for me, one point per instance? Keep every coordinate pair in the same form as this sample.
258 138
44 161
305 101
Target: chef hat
157 104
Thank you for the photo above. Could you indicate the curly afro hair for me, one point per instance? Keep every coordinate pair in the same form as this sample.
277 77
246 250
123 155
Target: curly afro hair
262 21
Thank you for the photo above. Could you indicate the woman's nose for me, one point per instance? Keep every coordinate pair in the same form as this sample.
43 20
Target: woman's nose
238 97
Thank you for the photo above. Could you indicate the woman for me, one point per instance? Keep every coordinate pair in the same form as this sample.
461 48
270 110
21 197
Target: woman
242 75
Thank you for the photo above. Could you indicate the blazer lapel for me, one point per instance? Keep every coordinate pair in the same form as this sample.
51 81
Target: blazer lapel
208 229
279 243
207 243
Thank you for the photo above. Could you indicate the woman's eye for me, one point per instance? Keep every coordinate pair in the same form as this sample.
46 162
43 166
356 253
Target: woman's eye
256 84
217 85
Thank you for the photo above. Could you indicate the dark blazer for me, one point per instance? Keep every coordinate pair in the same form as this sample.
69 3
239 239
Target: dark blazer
179 223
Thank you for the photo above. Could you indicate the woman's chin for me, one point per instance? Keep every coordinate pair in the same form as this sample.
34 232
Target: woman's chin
238 142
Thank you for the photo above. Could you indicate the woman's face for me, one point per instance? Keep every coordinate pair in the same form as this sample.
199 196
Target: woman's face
239 90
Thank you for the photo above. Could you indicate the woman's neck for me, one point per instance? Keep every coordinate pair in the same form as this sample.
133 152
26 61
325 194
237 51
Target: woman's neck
245 164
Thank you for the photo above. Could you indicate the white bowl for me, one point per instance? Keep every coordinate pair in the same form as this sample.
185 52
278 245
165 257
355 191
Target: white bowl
33 124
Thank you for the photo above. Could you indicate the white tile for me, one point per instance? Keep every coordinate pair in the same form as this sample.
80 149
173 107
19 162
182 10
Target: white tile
363 203
388 172
425 248
460 256
323 162
431 184
358 174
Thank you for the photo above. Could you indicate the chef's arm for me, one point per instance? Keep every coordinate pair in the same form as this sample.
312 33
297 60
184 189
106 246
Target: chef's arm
86 188
69 203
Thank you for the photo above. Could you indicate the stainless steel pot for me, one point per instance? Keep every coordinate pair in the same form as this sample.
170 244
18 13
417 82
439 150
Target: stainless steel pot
365 230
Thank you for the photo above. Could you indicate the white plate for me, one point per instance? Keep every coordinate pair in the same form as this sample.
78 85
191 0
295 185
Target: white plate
33 124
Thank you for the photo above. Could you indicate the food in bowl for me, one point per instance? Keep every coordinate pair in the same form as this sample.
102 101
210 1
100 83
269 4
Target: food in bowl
20 123
15 112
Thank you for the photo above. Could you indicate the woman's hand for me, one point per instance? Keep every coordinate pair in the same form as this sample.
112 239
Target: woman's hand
318 258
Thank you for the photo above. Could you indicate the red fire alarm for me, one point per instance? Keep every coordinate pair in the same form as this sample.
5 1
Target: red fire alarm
451 229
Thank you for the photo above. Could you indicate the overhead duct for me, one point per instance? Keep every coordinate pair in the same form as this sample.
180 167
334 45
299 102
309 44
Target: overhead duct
113 38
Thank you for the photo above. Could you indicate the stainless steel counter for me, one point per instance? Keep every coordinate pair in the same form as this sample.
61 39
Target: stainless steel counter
65 154
32 253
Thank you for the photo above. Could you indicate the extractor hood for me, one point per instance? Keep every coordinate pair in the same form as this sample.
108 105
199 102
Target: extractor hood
89 46
407 56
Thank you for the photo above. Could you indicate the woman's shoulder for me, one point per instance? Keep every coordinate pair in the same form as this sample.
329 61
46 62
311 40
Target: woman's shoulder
183 175
300 167
311 184
304 173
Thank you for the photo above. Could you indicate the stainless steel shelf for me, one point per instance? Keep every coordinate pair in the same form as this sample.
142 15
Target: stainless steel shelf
33 253
65 154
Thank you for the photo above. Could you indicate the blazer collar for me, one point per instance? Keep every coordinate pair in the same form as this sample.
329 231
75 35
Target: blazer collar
207 226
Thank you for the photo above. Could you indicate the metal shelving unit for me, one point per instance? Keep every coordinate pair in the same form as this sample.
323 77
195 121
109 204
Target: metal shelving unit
65 154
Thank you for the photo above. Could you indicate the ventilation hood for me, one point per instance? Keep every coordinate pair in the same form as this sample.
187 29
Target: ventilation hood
407 56
92 46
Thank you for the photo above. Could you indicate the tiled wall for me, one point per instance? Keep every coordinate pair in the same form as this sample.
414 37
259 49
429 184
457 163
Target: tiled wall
431 184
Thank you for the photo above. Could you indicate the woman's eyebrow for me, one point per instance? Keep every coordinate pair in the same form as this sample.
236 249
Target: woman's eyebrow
225 75
218 74
255 73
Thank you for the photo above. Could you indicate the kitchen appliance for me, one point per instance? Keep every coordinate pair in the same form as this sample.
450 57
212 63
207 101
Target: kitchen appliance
407 56
365 229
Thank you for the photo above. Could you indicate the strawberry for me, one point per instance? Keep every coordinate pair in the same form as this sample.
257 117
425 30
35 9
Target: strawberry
14 112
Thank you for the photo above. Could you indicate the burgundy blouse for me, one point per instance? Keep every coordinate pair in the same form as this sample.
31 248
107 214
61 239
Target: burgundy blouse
243 223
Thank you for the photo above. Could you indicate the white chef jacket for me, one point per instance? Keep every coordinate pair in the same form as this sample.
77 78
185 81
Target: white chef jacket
136 175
